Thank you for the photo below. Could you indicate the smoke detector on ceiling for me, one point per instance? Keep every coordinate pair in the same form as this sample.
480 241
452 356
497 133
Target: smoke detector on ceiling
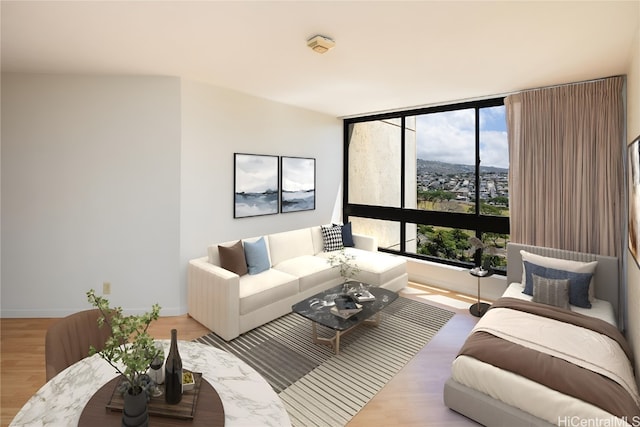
320 44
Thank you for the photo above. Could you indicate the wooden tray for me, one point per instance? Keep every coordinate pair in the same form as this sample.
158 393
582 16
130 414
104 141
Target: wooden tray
185 409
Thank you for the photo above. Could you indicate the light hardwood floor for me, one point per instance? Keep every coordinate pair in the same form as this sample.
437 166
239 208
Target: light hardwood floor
411 398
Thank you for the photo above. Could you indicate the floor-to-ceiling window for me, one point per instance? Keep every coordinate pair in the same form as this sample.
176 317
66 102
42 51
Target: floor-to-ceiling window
425 181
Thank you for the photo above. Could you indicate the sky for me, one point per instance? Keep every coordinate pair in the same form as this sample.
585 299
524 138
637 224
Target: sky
256 174
298 174
449 137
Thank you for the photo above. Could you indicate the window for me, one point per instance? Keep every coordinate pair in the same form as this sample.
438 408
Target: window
425 181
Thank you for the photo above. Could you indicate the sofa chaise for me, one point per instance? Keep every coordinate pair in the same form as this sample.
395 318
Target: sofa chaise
291 266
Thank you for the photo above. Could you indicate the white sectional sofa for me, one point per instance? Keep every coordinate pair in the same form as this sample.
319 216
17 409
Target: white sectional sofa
230 304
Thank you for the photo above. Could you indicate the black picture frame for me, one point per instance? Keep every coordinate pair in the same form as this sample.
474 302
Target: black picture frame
297 184
256 185
633 157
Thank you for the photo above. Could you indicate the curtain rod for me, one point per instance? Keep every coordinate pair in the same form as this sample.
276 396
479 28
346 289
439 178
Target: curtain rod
480 98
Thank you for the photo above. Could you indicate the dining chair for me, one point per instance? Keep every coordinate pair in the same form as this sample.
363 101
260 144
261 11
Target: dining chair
67 341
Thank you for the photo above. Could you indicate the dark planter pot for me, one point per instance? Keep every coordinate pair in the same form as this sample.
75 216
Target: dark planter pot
135 413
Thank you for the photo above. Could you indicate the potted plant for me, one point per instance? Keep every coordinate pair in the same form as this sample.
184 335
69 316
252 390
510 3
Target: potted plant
130 350
345 262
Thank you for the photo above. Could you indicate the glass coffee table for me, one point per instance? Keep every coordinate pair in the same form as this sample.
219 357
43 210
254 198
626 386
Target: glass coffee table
318 309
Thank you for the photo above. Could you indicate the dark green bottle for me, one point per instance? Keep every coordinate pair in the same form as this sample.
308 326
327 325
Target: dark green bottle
173 372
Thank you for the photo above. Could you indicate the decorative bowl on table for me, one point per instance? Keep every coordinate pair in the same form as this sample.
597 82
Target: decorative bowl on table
188 381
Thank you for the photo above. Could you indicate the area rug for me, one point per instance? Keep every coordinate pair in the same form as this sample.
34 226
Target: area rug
320 388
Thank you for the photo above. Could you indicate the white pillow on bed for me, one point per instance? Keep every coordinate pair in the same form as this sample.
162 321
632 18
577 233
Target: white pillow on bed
561 264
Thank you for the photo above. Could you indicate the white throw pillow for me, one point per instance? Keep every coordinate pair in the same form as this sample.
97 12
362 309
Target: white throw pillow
562 264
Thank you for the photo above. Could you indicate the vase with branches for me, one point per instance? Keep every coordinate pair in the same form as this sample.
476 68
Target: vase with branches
345 262
130 350
489 250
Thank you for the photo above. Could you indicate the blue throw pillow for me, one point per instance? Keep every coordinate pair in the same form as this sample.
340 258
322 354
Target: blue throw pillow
578 282
257 256
347 236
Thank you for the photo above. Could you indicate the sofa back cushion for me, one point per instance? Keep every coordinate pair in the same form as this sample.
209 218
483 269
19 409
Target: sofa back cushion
290 244
318 240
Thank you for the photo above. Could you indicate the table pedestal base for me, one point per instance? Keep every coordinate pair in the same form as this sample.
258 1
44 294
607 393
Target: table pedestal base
478 309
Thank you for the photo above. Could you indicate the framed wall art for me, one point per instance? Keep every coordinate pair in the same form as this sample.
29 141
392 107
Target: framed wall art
256 185
634 199
298 184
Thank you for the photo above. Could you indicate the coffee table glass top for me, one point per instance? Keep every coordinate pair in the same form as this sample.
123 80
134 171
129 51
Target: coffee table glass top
316 309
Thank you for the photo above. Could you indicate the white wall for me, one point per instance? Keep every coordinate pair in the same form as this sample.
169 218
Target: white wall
123 179
90 192
633 130
216 123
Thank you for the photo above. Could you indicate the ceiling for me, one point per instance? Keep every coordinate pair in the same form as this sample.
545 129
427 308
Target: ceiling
388 55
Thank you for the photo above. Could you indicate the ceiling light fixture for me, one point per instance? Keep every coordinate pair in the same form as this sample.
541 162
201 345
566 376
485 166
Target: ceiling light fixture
320 44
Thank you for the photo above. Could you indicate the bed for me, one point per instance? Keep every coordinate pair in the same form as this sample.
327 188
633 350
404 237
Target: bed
593 381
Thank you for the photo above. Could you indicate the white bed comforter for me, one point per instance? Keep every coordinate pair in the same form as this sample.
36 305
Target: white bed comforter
572 343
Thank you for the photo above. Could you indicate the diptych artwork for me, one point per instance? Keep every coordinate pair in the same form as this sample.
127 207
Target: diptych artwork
256 185
298 189
266 185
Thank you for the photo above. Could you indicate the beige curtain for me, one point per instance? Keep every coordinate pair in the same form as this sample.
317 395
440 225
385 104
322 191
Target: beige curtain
566 176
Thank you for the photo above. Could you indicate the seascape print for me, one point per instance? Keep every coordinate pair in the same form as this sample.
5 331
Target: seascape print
256 185
298 184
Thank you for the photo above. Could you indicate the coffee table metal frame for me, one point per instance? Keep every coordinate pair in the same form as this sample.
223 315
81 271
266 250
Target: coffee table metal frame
315 309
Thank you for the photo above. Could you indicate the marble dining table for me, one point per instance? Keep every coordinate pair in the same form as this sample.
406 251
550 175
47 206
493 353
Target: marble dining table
247 398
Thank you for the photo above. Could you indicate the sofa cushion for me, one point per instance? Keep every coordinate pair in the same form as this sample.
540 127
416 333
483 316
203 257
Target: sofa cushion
318 241
332 237
376 268
232 258
257 256
260 290
347 235
290 244
310 270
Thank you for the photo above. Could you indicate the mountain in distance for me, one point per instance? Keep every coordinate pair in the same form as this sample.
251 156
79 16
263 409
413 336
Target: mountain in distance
434 166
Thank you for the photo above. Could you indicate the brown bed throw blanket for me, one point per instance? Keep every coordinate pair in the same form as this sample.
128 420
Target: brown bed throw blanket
553 372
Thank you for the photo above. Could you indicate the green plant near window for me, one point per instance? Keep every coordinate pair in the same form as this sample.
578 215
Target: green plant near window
345 262
130 349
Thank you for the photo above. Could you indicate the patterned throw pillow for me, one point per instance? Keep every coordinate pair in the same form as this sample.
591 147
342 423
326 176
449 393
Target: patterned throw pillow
332 236
551 291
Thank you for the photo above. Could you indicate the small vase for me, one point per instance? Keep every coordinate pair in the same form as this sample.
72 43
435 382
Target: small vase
135 412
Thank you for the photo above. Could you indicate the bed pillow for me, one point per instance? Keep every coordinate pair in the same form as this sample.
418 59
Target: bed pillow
232 258
563 264
332 237
578 282
257 256
551 291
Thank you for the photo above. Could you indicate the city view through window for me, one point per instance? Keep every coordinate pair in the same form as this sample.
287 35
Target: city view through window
446 178
424 183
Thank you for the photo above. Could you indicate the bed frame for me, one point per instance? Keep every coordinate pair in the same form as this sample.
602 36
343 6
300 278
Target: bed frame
491 412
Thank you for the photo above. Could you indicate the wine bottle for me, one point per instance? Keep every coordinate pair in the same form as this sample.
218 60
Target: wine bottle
173 372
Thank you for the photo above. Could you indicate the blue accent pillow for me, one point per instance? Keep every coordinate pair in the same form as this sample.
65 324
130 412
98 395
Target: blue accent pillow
347 236
257 256
578 282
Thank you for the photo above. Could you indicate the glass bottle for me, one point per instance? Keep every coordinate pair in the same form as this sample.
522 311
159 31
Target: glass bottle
173 372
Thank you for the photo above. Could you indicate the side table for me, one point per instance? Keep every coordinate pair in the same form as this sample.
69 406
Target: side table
480 308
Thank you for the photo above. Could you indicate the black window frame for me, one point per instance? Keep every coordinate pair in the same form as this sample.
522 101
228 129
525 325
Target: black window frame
473 221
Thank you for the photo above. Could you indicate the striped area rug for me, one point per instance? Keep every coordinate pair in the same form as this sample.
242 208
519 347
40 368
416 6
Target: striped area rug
320 388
